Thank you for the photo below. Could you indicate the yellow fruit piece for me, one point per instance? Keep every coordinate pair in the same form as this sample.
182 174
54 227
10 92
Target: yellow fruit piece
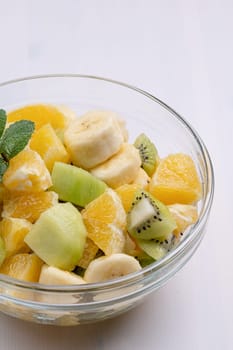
184 216
24 267
67 112
46 142
176 180
70 116
105 220
40 114
142 179
2 189
131 247
89 253
28 206
13 232
126 193
27 172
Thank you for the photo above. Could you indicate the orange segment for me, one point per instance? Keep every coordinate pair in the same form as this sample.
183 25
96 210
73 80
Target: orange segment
13 232
126 193
46 142
40 114
184 216
28 206
24 267
176 180
27 172
105 220
89 253
2 189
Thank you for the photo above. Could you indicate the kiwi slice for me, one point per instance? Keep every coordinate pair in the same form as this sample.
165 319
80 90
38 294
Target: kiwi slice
58 237
76 185
157 248
154 250
144 259
149 218
148 153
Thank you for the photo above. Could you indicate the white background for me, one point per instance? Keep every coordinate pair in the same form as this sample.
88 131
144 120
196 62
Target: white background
182 52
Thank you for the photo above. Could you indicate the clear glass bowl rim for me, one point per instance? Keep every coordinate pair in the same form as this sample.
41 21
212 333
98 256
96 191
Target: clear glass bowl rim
123 281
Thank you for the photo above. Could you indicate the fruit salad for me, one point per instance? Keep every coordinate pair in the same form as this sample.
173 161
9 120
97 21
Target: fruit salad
80 203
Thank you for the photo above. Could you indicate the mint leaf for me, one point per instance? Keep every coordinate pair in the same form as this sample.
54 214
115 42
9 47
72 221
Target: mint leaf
15 138
2 121
3 167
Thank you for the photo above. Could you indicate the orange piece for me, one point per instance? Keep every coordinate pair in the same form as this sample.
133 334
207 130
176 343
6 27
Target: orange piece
89 253
40 114
105 220
176 180
13 232
126 193
24 267
27 172
46 142
27 206
184 216
2 189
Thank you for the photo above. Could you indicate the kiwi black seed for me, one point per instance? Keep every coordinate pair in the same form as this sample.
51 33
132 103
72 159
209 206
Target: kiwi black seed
148 153
148 218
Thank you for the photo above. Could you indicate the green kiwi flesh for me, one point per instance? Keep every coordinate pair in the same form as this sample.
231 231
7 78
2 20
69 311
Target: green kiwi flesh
148 153
144 259
153 249
157 248
149 218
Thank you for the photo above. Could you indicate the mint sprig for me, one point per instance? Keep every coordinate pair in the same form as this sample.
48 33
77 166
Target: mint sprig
13 140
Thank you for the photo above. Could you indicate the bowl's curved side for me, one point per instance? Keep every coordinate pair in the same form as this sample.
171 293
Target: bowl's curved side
69 305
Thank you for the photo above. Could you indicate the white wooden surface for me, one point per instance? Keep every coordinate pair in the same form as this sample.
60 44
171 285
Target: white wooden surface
181 51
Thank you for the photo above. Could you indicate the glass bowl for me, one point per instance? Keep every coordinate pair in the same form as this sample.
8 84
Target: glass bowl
72 305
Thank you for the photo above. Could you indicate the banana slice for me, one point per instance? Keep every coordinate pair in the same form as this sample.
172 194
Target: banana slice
93 138
121 169
53 275
109 267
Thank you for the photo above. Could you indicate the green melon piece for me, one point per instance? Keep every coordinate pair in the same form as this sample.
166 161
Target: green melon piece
58 237
149 218
76 185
